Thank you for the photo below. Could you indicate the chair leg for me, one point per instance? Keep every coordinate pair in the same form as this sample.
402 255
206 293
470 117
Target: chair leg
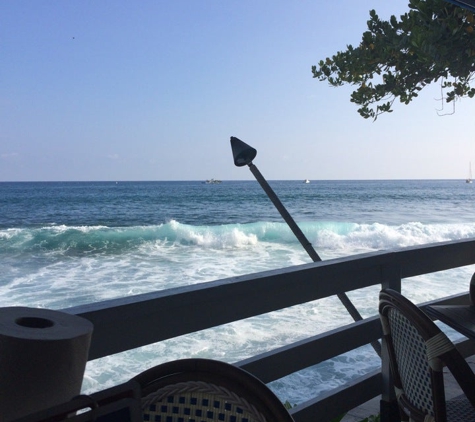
390 412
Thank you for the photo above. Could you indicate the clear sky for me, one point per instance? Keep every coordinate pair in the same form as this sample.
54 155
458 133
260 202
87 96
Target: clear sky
153 90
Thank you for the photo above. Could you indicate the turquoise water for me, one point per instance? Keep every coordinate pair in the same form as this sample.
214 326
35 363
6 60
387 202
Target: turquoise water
66 244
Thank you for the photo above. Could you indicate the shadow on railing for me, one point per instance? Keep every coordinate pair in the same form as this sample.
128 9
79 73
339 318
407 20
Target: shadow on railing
127 323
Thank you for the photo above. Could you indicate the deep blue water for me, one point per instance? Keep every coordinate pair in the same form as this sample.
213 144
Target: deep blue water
122 204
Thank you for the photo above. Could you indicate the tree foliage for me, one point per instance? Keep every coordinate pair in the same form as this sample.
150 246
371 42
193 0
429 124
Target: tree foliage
433 42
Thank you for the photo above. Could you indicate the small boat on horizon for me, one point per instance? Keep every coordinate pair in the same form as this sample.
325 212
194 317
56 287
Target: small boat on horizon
306 181
213 181
469 178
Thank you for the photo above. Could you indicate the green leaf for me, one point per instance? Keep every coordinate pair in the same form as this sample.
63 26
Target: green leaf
397 58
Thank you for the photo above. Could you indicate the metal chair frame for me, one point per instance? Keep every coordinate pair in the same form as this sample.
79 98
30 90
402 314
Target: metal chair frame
418 351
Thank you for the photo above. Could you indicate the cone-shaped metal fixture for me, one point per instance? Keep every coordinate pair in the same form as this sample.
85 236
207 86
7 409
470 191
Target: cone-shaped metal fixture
243 153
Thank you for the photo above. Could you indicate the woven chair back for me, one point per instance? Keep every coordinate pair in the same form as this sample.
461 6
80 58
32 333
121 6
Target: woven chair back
418 377
418 351
410 352
207 390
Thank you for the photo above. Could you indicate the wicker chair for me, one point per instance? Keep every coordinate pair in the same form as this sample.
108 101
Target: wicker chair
204 390
418 350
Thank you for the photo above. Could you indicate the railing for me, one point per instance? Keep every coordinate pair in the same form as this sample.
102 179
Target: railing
127 323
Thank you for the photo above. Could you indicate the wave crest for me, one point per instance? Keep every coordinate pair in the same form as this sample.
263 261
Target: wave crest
348 238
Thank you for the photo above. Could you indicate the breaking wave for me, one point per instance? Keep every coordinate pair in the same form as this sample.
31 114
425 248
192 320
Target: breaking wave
332 236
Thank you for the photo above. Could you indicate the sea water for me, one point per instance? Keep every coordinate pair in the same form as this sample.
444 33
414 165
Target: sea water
72 243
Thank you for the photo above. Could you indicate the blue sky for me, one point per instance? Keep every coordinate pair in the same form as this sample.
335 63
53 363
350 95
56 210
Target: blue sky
153 90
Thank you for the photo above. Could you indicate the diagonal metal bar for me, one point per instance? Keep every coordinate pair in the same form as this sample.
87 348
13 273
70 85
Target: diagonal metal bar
243 154
344 299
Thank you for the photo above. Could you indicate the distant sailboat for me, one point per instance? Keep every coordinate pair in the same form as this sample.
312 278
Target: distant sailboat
306 181
469 178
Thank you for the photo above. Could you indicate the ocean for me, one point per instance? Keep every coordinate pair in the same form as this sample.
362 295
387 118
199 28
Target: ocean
64 244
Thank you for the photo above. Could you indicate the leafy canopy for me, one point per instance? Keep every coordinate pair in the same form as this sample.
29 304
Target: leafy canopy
434 41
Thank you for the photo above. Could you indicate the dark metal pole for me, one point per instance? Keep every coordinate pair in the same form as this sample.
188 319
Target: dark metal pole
284 213
244 154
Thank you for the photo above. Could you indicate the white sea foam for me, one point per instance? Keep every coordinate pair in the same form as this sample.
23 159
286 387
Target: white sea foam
372 237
